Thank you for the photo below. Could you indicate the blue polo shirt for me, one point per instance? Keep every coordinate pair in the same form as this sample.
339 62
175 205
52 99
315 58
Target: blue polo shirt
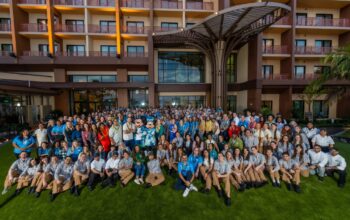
58 129
75 153
23 143
185 168
195 161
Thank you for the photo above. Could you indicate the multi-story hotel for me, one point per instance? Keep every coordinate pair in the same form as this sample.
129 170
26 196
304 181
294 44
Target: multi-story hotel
85 55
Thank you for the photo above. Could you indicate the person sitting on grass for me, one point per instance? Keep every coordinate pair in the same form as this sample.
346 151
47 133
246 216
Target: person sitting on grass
336 164
111 170
161 155
44 162
45 181
26 177
97 167
318 161
206 169
139 165
63 179
290 172
186 176
221 172
273 167
303 160
125 166
155 176
196 160
258 164
81 172
44 149
16 169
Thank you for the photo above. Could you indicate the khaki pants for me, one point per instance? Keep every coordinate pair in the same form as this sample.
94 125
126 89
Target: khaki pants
249 176
58 188
208 181
48 179
24 181
259 175
273 175
8 183
155 178
295 177
226 180
79 178
169 163
305 172
238 175
233 181
125 176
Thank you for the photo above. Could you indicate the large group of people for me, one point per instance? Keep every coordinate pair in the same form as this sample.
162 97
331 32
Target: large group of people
221 150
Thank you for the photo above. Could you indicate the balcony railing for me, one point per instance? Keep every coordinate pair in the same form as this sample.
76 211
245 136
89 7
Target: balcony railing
276 77
102 3
5 27
134 30
135 3
200 5
284 21
70 28
165 29
70 2
309 50
335 22
5 53
135 54
35 53
71 53
308 76
275 49
33 27
4 1
102 54
101 29
32 2
98 54
166 4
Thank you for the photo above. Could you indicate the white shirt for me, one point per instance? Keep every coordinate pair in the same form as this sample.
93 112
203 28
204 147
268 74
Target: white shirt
115 132
319 158
337 161
41 136
236 120
128 136
98 165
112 164
310 133
322 141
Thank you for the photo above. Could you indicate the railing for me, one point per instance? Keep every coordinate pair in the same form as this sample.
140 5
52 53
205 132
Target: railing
276 77
134 30
134 54
4 1
165 29
33 27
335 22
102 3
168 4
310 50
35 53
70 2
308 76
135 3
275 49
5 27
71 53
70 28
200 5
32 2
5 53
93 28
283 21
102 54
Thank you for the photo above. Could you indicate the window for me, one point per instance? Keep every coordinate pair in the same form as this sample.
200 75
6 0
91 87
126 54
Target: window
267 104
75 50
138 98
42 25
85 101
300 46
168 26
322 69
232 103
75 25
267 72
231 68
108 50
181 67
324 20
79 78
107 26
93 78
6 47
268 45
5 24
323 46
138 78
301 19
189 24
184 101
298 109
43 49
299 72
136 27
320 109
135 51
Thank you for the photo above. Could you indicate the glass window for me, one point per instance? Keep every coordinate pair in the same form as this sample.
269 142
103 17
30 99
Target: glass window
181 67
320 109
189 24
6 47
168 26
267 45
107 26
74 25
44 48
85 101
110 78
182 101
138 98
135 51
267 72
78 78
108 50
232 103
324 19
138 78
298 109
299 72
94 78
231 68
301 19
322 69
267 104
75 50
135 27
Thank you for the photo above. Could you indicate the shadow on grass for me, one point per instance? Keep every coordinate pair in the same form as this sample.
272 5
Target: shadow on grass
12 196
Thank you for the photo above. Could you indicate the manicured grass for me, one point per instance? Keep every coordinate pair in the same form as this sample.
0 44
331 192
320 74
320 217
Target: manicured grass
318 200
346 134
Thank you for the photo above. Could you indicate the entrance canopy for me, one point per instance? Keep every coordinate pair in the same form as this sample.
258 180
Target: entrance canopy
221 33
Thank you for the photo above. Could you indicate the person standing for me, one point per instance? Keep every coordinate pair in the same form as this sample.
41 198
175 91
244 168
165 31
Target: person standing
128 133
103 137
115 133
40 134
221 172
155 176
23 143
336 164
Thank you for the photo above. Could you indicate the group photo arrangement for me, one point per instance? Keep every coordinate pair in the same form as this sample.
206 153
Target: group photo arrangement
205 150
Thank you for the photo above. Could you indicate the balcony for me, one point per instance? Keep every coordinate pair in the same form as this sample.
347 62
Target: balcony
311 50
67 28
135 54
4 1
276 77
102 54
207 6
135 3
69 2
161 4
71 54
5 53
35 53
134 30
166 29
308 76
283 21
32 2
93 28
101 3
5 28
33 27
319 22
275 49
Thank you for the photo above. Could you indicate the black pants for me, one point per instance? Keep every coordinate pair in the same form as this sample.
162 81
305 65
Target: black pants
93 178
111 180
342 175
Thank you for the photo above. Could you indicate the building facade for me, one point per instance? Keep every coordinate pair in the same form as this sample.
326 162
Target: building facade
80 56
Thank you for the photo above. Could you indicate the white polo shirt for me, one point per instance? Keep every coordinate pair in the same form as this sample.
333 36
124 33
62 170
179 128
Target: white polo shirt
41 136
98 165
322 141
126 127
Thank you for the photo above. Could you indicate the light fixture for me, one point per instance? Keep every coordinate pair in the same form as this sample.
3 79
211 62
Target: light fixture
143 103
18 104
173 104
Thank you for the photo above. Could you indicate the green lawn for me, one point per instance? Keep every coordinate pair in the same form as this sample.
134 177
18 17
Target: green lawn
318 200
346 134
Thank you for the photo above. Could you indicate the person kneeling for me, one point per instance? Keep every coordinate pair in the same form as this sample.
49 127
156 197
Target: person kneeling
63 178
336 164
186 176
221 172
81 172
155 176
97 167
290 172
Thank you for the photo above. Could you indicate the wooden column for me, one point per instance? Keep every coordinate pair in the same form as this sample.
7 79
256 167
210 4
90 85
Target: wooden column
62 101
118 28
122 94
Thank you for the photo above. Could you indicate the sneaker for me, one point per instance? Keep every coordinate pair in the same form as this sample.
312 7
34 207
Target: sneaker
4 191
52 197
219 192
137 181
76 191
141 181
289 186
186 192
17 192
228 201
297 189
274 184
37 194
193 188
278 185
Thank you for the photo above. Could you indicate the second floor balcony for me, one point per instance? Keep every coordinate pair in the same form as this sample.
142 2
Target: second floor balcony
323 22
135 4
168 4
67 28
33 27
108 29
4 1
5 27
32 2
166 29
195 5
69 2
276 49
101 3
135 30
35 53
312 50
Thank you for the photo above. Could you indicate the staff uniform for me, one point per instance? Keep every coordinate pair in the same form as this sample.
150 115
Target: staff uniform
187 171
303 164
319 159
222 168
205 169
250 142
23 142
195 161
16 169
170 159
125 172
323 141
112 166
128 135
41 136
155 176
310 133
81 172
98 165
27 176
161 156
287 166
115 132
273 167
48 176
64 173
232 177
257 160
339 163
